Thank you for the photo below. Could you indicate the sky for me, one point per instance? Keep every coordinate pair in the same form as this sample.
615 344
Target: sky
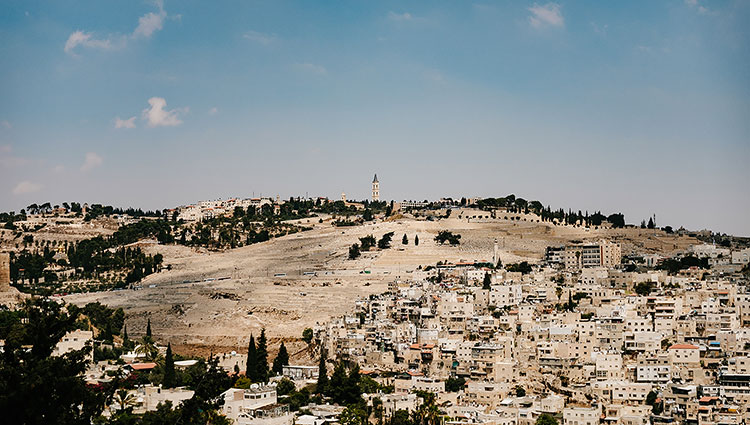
639 107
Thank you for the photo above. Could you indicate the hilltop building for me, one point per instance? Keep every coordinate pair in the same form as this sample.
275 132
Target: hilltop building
375 189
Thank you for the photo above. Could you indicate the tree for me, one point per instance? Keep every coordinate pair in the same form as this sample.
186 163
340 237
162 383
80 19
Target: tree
405 240
454 384
307 335
367 215
352 390
367 242
285 386
354 252
170 377
336 389
124 399
447 236
35 387
524 267
651 397
546 419
262 357
353 415
147 348
520 391
251 366
416 240
487 284
651 224
322 372
281 360
385 241
401 417
617 220
644 288
148 327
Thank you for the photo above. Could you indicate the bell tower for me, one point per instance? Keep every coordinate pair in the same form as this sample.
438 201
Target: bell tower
375 189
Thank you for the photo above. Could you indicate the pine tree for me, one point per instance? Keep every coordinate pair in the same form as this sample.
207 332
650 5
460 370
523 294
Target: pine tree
170 377
148 328
281 360
252 360
262 357
322 372
416 240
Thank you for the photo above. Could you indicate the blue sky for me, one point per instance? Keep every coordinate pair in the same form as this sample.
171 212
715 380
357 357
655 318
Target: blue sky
638 107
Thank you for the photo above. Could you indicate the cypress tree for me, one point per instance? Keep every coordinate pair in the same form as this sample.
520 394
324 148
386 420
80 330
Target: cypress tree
252 360
405 240
170 378
281 360
322 372
487 284
125 334
148 327
262 357
336 388
352 392
416 240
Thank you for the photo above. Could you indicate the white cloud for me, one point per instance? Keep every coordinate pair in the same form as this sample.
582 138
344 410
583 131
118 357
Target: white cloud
151 22
406 16
80 38
260 38
128 123
697 6
312 68
148 24
6 124
91 161
5 148
26 187
58 168
547 15
157 116
213 111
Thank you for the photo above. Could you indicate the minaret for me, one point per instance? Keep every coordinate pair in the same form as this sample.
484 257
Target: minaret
375 189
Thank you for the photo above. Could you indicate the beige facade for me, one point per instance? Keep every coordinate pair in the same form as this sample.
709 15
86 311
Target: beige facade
4 271
581 416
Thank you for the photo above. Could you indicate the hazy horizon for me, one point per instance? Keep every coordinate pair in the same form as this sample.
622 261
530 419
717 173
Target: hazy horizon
639 108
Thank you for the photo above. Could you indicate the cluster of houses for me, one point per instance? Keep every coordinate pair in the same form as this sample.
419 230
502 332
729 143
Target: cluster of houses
204 210
571 338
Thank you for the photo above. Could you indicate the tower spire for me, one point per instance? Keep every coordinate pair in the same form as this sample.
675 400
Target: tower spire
375 189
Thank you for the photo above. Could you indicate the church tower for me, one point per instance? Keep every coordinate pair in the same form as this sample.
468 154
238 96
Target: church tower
375 189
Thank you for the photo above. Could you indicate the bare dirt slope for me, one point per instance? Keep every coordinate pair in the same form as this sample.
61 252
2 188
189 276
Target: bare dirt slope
293 282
